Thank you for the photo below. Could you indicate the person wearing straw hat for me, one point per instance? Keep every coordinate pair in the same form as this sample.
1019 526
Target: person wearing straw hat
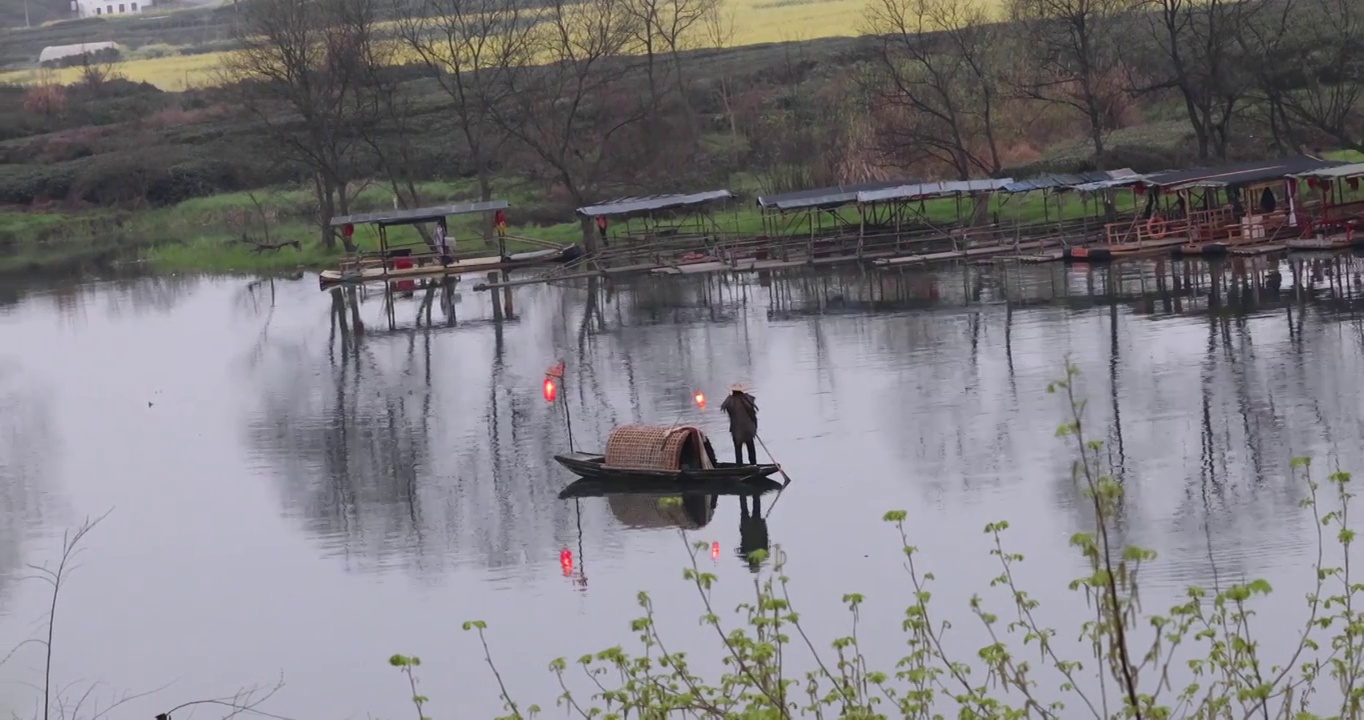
742 409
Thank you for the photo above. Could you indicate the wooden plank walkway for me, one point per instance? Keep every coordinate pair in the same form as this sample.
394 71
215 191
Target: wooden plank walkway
1033 251
1333 243
1258 250
971 254
1046 257
1146 247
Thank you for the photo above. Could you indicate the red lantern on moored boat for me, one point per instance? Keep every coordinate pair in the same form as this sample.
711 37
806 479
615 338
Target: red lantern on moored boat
553 374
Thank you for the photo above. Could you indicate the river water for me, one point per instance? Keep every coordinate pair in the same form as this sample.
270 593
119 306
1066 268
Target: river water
293 498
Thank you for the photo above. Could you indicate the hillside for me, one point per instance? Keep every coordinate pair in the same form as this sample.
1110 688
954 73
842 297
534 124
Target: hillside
12 12
938 93
181 49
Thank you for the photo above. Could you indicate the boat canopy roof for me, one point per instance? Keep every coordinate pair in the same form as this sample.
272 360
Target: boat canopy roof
825 197
1352 170
419 215
1071 181
655 447
621 207
928 191
1246 173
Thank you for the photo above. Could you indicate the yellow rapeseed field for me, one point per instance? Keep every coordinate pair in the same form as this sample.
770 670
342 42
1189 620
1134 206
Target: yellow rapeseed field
755 21
173 72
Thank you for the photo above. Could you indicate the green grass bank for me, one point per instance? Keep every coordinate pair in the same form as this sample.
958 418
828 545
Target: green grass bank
205 234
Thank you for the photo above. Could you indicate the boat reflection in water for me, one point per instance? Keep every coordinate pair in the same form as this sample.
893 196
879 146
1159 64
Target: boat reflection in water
686 505
752 531
688 512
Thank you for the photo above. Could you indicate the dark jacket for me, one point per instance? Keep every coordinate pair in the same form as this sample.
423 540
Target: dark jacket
742 409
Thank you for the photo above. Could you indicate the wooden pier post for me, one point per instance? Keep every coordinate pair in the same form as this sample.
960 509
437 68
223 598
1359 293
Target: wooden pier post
497 308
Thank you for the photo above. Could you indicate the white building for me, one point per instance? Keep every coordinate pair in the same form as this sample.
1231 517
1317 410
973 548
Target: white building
100 8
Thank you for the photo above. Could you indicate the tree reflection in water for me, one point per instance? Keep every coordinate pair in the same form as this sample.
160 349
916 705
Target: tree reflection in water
404 448
407 445
28 447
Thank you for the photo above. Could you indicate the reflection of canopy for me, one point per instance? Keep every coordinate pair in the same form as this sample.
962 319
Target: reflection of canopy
643 511
654 447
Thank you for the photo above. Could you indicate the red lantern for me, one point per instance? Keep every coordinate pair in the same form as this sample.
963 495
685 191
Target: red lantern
715 550
348 230
566 561
700 399
551 390
1312 182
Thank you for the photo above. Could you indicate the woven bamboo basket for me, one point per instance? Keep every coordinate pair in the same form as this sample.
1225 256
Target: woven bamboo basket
652 447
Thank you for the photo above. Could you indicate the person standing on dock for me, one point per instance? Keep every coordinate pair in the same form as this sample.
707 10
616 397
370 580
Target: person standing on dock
500 226
742 410
445 245
601 230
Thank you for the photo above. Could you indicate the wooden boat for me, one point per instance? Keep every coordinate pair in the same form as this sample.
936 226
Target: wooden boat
608 487
376 270
1330 243
1205 248
415 260
1085 253
653 453
594 467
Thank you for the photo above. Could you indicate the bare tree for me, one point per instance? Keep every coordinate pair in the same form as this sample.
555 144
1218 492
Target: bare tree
470 46
572 99
936 80
46 97
68 702
1269 38
299 71
1312 69
1197 53
1071 57
54 576
99 69
385 115
664 29
718 28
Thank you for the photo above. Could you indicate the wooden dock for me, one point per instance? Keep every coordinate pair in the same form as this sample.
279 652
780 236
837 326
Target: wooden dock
969 254
1253 250
879 259
1049 256
1040 250
420 271
1328 244
1145 247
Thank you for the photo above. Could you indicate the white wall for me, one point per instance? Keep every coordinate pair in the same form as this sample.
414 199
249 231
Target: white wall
100 8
